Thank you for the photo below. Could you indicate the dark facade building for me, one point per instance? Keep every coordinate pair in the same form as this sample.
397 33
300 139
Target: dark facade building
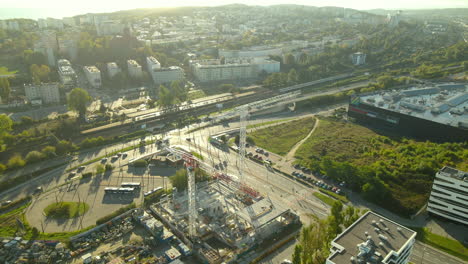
439 112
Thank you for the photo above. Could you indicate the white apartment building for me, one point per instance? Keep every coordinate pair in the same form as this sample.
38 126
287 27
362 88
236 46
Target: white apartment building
134 69
358 58
167 75
243 68
372 239
93 75
44 93
152 63
449 195
112 69
253 52
109 27
66 73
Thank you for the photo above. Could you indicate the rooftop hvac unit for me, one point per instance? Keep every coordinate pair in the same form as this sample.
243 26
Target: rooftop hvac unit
383 237
376 229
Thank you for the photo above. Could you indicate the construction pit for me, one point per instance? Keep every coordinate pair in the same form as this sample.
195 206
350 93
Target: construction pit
232 220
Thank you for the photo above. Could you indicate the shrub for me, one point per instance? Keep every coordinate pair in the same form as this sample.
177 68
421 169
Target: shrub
109 167
87 175
16 162
140 163
34 156
49 151
100 169
64 147
2 168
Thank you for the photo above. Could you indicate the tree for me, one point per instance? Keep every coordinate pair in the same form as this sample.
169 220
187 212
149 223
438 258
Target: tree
289 59
63 147
166 98
5 124
296 257
34 156
5 89
77 100
292 76
16 162
226 87
49 151
40 73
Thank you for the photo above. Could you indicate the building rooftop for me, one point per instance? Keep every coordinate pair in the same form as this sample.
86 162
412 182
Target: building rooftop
444 103
370 239
133 63
112 65
91 69
453 173
171 68
66 70
153 60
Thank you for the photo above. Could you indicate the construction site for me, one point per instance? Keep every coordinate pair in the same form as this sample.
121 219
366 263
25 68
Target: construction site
223 220
230 219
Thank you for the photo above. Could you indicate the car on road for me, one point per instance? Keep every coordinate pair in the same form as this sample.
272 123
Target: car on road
188 139
124 155
6 202
297 166
80 168
103 160
266 153
38 190
114 157
286 261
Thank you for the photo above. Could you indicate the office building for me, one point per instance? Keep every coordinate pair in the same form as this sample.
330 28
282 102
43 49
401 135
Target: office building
167 75
372 239
432 112
358 58
66 73
69 21
134 69
449 195
112 69
44 93
232 69
93 75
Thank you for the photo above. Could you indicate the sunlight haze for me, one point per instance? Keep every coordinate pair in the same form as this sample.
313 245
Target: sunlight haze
55 8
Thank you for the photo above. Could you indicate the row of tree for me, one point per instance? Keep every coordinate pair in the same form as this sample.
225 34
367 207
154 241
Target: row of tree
314 243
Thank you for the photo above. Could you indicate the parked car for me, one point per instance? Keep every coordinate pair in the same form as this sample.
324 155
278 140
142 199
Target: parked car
297 166
266 153
80 168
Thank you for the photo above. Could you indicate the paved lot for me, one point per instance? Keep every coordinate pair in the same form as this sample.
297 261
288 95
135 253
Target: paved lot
92 192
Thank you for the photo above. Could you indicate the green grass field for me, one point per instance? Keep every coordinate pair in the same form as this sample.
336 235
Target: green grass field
326 199
448 245
351 152
66 210
281 138
268 123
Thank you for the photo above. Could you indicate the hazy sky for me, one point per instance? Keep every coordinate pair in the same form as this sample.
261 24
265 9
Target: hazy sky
60 8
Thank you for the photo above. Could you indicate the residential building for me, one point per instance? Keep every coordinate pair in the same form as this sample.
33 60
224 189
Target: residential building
48 46
66 73
152 63
449 195
110 27
358 58
42 23
44 93
134 69
69 21
167 75
261 51
372 239
232 69
112 69
93 75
